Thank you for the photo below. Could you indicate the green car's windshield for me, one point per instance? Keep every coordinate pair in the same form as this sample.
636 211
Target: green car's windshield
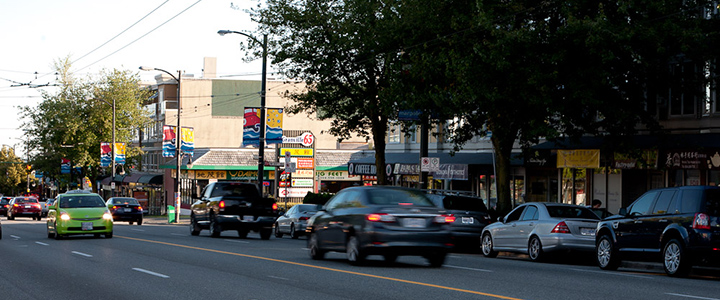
77 201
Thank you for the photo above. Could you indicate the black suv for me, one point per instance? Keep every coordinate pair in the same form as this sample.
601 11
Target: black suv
678 226
233 206
471 216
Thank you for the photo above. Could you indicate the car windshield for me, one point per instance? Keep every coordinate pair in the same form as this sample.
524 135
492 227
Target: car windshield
77 201
464 203
123 201
571 212
398 197
26 200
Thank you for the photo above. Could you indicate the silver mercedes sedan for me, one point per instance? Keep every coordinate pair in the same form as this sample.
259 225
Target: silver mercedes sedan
538 228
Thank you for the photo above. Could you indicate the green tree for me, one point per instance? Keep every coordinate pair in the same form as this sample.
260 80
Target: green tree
342 50
72 122
14 170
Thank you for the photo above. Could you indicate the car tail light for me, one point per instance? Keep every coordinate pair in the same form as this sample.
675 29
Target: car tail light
275 206
140 208
222 205
36 205
303 218
561 228
702 221
380 218
444 219
16 205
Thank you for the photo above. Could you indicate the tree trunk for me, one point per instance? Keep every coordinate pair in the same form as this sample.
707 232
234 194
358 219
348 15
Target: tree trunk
503 151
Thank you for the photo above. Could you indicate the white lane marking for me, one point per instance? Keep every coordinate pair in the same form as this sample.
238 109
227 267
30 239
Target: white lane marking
151 273
137 229
15 237
281 278
178 234
41 243
691 296
83 254
471 269
613 273
455 256
234 241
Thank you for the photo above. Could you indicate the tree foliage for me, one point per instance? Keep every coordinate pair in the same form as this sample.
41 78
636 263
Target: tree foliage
72 122
14 170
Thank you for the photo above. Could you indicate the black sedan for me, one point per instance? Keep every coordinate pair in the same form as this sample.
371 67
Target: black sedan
4 205
125 209
381 220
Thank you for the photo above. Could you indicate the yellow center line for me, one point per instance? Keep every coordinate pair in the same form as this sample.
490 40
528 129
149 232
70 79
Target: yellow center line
324 268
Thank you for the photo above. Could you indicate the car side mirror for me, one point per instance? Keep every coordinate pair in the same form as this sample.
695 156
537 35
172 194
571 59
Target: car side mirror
623 211
501 219
320 207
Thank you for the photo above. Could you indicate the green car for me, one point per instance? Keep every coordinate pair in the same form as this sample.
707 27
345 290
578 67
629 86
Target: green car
79 212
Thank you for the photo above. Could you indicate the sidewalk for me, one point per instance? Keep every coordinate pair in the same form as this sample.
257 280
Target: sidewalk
163 220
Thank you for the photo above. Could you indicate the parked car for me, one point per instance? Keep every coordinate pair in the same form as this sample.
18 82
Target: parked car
233 206
4 205
46 205
294 221
381 220
539 228
125 209
678 226
79 213
471 216
24 207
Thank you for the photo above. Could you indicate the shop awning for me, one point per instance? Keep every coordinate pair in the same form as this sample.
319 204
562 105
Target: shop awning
132 177
445 158
151 179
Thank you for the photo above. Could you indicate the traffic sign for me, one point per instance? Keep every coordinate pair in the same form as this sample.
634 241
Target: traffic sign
430 164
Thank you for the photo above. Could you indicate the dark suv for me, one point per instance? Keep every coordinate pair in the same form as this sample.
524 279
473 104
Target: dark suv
471 216
678 226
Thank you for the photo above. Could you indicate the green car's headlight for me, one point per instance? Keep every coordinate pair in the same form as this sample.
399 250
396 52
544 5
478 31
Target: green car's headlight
107 216
64 216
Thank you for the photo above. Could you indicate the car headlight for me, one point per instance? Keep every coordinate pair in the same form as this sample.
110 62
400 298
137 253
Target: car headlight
64 216
107 216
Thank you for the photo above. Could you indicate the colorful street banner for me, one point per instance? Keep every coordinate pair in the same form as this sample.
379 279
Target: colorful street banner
168 141
105 151
64 166
579 158
251 127
120 153
187 143
274 123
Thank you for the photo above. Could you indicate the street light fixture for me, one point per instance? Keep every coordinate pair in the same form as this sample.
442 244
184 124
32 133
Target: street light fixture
261 139
178 137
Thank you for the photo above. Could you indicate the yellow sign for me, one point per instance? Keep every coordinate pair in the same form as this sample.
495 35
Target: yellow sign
585 158
297 151
211 174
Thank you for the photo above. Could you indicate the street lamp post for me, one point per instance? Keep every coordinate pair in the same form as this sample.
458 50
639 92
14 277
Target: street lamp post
178 137
261 139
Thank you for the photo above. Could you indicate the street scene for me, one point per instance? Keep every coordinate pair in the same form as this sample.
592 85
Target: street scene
360 149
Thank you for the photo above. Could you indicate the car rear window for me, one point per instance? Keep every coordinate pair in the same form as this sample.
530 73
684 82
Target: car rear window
570 212
464 203
235 190
398 197
81 201
26 200
306 208
712 203
122 201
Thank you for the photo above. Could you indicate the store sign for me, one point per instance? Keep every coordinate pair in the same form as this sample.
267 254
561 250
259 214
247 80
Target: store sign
335 175
297 151
649 160
579 158
303 174
406 169
691 159
305 163
294 192
306 139
303 182
211 174
362 169
452 172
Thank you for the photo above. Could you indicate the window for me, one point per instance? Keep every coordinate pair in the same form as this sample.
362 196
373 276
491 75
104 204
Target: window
394 134
662 206
684 90
641 206
515 214
691 201
531 213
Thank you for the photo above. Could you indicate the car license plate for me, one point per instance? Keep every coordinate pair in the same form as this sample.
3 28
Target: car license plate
87 226
248 218
27 206
587 231
414 222
128 209
468 220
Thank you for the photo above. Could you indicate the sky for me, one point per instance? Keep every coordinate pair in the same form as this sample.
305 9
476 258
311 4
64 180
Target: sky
102 34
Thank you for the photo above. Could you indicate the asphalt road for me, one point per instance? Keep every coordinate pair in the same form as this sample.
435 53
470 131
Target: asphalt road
162 261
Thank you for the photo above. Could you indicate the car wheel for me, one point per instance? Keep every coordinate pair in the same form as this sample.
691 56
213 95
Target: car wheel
535 250
293 234
675 262
242 234
354 255
487 246
39 218
50 235
10 216
194 228
278 234
265 233
436 260
214 227
607 256
315 252
139 221
130 222
109 235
